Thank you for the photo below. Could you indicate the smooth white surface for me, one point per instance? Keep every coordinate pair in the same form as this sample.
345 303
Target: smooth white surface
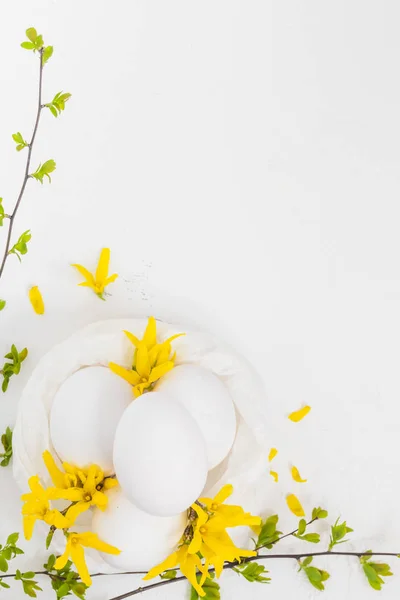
144 540
84 417
242 161
207 399
160 456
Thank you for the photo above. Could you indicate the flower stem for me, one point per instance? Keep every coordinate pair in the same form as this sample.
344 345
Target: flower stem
28 164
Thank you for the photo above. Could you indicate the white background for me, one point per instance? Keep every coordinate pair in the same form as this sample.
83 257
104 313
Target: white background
241 159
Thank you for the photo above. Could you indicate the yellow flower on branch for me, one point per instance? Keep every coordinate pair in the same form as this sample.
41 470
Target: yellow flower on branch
37 507
74 550
101 279
36 300
206 536
84 487
151 360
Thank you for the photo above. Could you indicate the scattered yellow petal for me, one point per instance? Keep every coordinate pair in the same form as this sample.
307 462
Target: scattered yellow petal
298 415
296 475
272 453
275 475
294 505
36 300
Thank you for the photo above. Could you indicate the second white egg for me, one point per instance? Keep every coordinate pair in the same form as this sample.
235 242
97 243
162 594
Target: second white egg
159 455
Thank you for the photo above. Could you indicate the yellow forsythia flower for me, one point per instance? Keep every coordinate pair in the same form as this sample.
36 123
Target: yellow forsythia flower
74 551
208 537
100 280
275 475
37 507
36 300
294 505
151 360
296 475
298 415
272 453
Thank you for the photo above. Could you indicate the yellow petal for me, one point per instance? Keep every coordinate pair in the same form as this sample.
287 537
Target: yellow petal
132 338
130 376
63 559
56 519
298 415
169 563
78 558
92 540
159 371
294 505
189 570
29 523
36 300
223 494
173 337
74 511
272 453
109 483
110 279
100 500
296 475
142 361
102 267
57 476
201 515
86 274
150 335
275 475
195 544
71 494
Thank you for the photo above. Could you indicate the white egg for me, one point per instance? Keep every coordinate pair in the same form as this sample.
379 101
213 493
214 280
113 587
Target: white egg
207 399
159 455
144 540
85 414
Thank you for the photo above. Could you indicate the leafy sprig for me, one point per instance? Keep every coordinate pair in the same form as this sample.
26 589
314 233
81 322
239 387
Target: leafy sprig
338 532
6 440
29 585
44 170
313 538
19 140
13 366
375 571
315 576
35 43
2 213
253 572
269 534
7 553
57 105
65 580
20 248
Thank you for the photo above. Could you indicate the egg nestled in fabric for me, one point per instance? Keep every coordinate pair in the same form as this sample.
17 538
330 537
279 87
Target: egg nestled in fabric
159 455
207 399
84 416
144 540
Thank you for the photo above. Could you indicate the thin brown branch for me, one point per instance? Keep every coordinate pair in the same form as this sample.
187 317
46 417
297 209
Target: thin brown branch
27 167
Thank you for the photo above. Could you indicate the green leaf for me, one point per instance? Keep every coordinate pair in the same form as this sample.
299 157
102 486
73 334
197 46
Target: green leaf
3 564
253 572
313 538
169 574
28 575
13 537
319 513
12 368
373 578
21 247
47 53
51 561
211 589
63 590
269 534
57 105
49 538
44 170
307 561
28 45
2 304
31 34
4 585
302 527
338 532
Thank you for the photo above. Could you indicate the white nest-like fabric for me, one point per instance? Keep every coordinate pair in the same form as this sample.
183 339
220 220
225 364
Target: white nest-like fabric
104 341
